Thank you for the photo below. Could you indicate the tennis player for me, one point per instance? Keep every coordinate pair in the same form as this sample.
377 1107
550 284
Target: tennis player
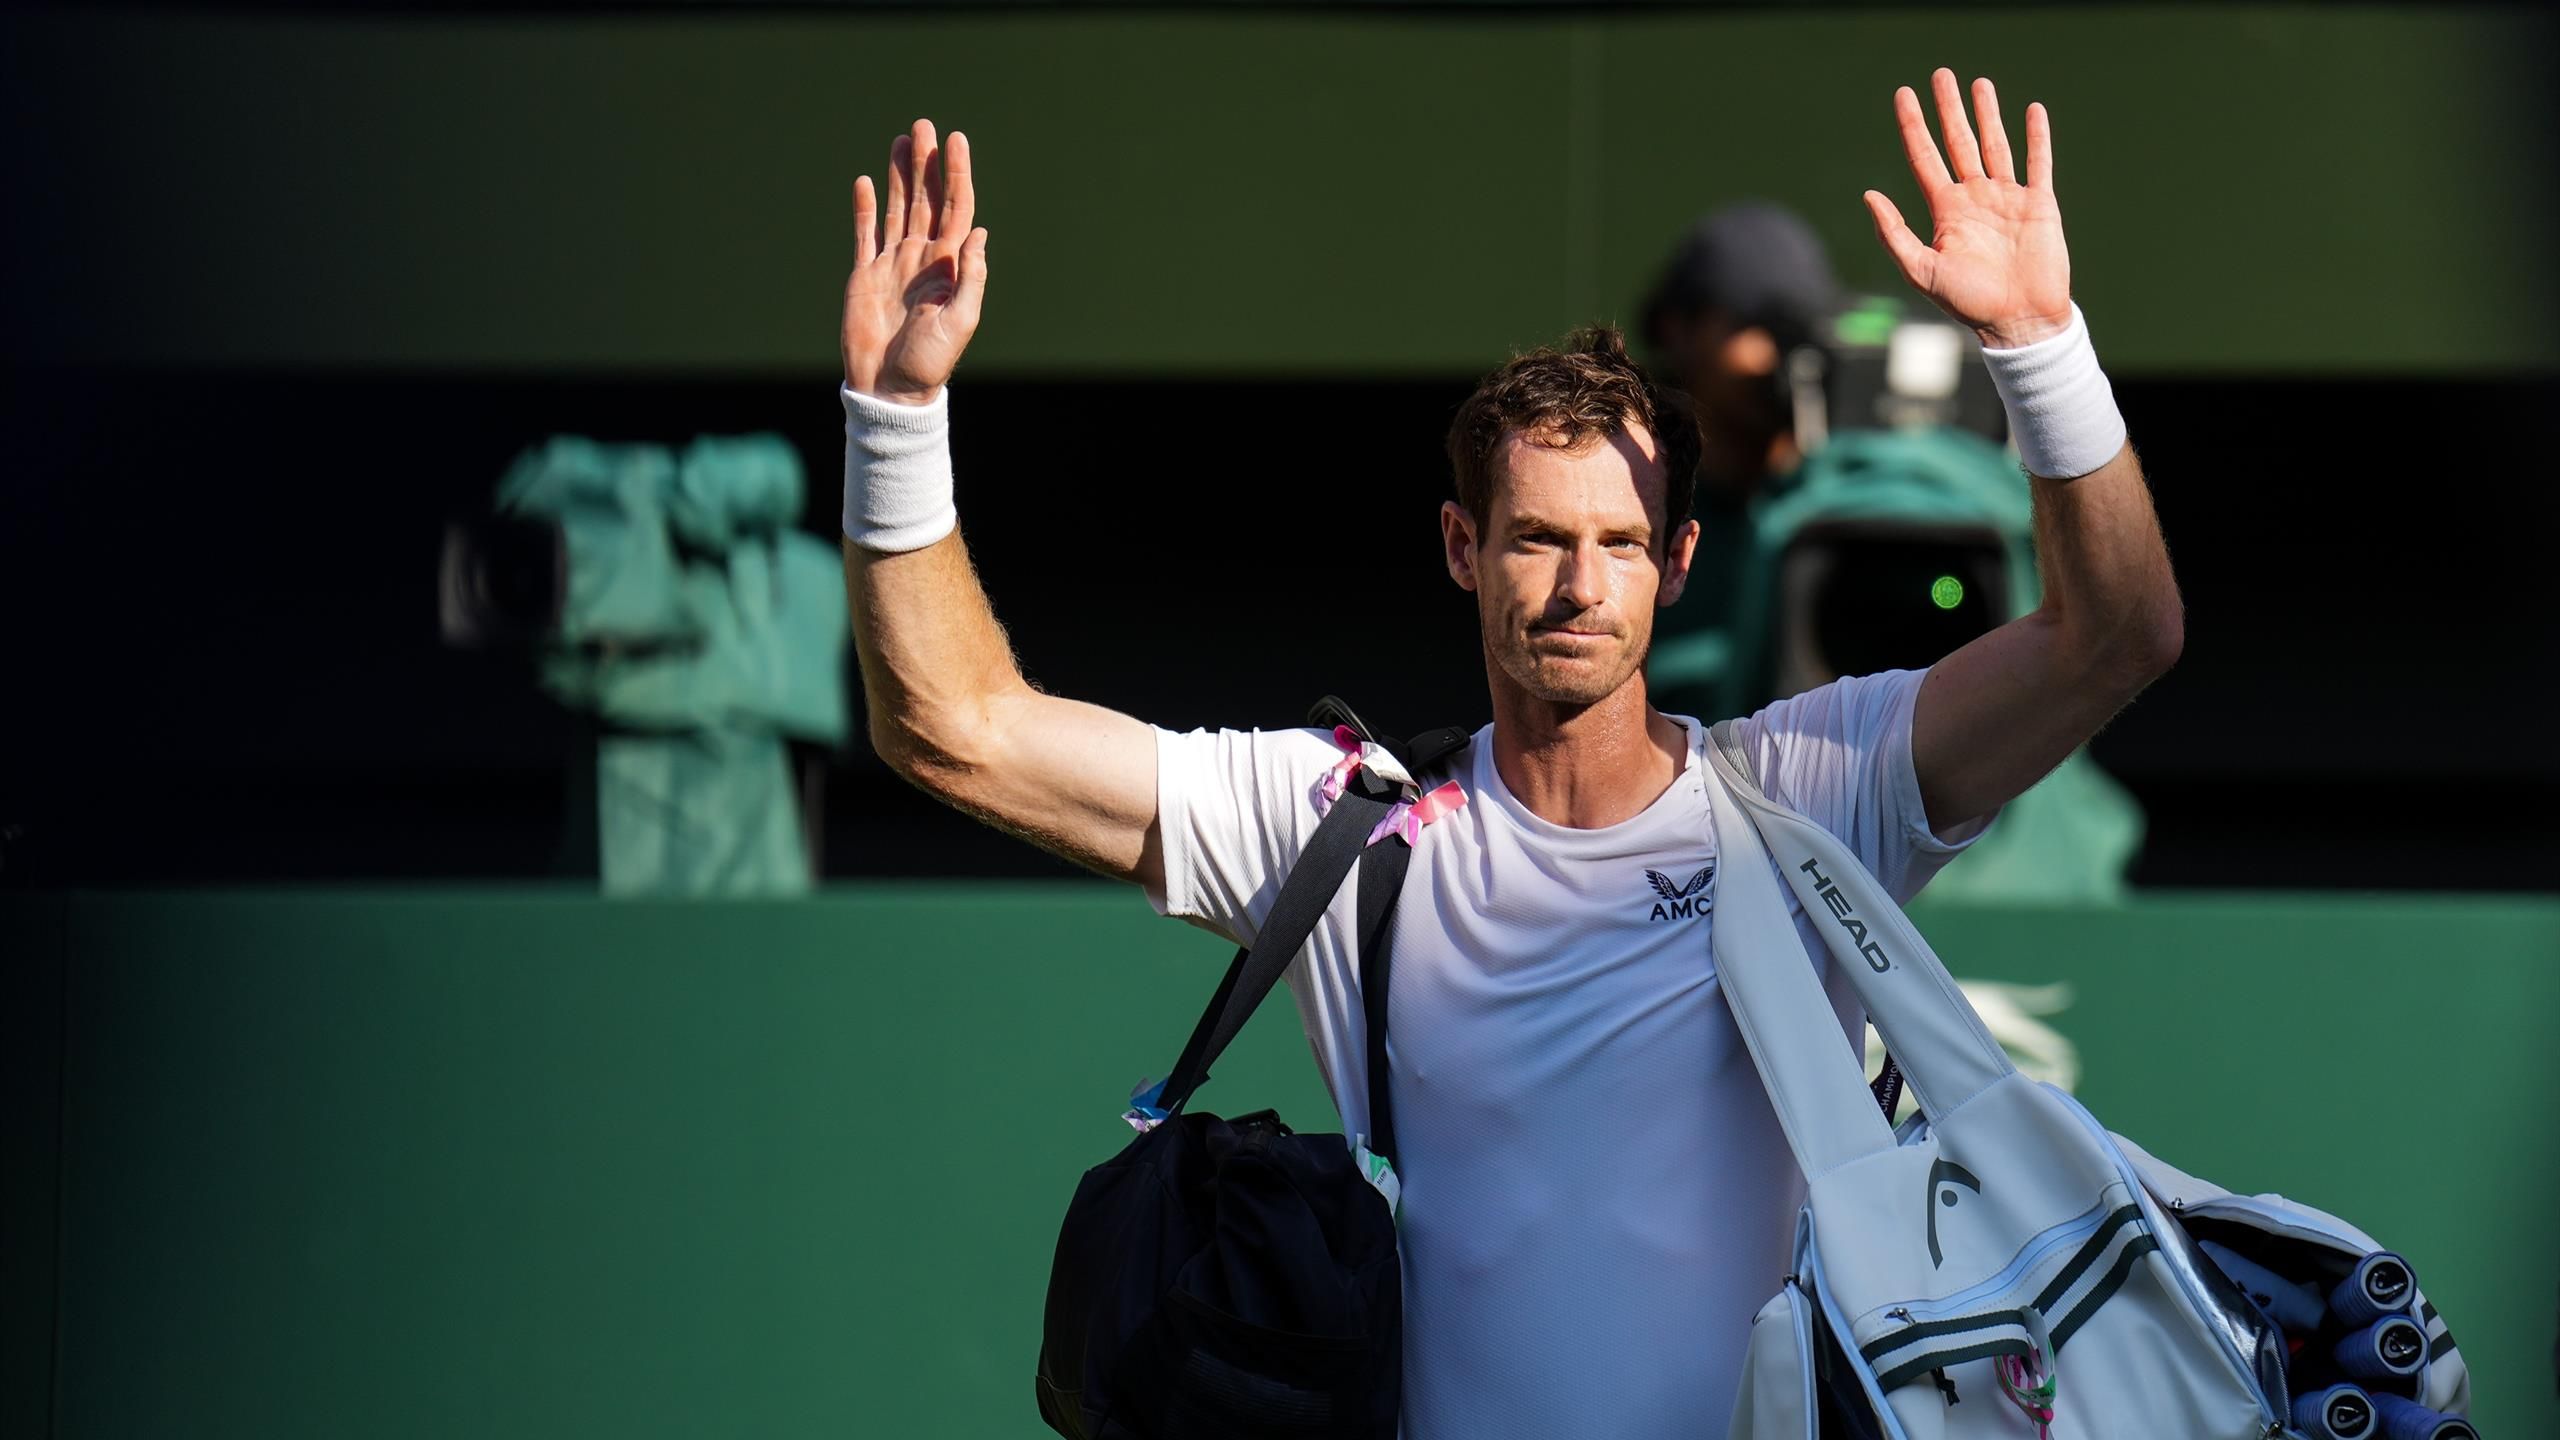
1596 1195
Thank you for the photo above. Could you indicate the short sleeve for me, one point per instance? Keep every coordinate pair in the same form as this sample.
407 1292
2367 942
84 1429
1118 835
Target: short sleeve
1840 755
1235 808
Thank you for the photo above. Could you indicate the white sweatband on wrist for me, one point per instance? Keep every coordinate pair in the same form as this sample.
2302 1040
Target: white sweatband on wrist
2062 412
897 472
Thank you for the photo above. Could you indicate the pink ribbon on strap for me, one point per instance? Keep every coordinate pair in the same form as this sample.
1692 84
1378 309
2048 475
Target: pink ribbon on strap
1409 816
1338 779
1405 817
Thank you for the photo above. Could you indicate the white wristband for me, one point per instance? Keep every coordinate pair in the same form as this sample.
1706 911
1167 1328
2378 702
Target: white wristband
2062 412
897 472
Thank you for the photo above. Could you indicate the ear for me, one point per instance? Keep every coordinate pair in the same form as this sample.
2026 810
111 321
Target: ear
1676 557
1751 350
1458 539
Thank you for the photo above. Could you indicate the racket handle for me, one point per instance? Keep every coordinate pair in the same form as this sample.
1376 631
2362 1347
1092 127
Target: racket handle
2381 1284
2340 1412
2408 1420
2392 1348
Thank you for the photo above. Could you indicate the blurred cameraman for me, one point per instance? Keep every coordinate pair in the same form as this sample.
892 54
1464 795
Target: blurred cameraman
1744 290
1859 511
1745 287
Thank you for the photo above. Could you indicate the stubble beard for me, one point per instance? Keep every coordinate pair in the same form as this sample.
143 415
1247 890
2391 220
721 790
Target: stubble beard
1559 678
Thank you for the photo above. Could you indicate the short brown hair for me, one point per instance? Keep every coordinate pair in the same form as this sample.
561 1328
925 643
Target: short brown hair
1588 389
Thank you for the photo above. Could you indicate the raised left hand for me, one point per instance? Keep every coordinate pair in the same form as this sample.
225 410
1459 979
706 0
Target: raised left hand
1996 262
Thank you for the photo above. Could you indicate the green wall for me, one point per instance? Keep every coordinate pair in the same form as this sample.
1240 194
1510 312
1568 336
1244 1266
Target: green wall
538 1165
2364 188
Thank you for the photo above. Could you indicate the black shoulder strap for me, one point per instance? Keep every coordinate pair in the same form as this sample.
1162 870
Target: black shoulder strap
1319 872
1338 845
1381 881
1426 750
1416 755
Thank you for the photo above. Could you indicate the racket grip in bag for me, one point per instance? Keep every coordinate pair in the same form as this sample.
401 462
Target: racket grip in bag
2392 1348
2381 1284
2340 1412
2293 1305
2408 1420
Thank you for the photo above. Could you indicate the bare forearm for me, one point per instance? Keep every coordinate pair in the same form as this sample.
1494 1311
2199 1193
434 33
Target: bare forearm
1993 717
1996 715
951 712
935 662
2105 570
948 708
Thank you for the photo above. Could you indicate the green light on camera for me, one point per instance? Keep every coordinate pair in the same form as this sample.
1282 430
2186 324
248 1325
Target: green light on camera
1946 592
1869 323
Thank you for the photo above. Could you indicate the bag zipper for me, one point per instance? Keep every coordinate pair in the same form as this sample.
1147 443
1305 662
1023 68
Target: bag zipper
2240 1364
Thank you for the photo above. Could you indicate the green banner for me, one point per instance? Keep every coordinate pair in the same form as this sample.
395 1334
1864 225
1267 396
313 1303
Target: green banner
539 1165
2249 188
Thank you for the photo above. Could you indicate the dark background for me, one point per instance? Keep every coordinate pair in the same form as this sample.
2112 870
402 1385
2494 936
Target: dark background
287 287
227 667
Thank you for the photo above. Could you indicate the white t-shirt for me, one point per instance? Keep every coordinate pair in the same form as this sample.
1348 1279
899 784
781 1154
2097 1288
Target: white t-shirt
1597 1197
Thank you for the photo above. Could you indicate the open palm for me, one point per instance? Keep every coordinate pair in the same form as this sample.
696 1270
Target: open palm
919 272
1996 261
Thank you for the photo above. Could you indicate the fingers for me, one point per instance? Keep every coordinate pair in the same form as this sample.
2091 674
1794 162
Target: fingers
1996 161
926 201
920 197
2039 148
1962 152
1909 251
959 198
1926 167
893 216
936 171
972 289
866 245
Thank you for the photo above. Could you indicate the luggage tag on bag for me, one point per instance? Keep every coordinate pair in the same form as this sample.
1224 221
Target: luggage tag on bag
1146 1106
1380 1173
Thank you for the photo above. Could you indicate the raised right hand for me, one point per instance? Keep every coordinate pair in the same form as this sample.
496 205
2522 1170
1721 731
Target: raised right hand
919 272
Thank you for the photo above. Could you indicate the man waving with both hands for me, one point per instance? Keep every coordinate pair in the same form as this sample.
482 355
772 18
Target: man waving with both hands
1596 1196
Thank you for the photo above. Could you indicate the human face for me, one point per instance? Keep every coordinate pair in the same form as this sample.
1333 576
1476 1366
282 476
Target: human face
1730 370
1570 562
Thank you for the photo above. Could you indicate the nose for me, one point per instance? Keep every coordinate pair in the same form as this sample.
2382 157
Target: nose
1585 580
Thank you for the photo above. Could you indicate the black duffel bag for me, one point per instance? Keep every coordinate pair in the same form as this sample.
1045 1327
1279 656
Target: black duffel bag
1232 1278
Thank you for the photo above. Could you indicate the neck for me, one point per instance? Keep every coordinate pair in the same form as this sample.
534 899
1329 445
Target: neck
1584 766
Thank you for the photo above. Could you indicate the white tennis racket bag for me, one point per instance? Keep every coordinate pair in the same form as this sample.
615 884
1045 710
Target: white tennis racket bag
2006 1268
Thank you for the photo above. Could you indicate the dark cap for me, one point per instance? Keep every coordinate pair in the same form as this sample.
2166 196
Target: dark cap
1756 261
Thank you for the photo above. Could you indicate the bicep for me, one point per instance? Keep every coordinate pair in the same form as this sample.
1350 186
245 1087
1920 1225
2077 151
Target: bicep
1999 714
1207 822
1076 779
